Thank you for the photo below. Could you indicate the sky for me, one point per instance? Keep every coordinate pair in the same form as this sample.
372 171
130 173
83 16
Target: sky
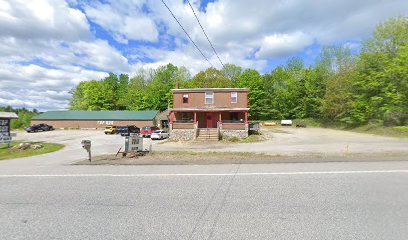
48 46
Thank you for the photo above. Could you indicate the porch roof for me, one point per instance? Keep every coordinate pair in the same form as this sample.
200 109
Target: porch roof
208 109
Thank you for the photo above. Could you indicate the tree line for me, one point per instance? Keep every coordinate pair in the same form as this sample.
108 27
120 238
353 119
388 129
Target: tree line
341 86
24 116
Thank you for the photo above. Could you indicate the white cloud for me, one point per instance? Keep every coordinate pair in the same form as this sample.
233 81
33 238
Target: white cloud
42 19
126 21
278 45
38 87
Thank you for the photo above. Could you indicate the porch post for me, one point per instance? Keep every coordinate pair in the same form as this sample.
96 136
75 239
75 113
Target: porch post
246 117
220 119
195 117
171 117
170 121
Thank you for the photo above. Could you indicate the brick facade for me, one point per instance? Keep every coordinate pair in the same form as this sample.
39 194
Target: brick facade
191 110
93 123
222 99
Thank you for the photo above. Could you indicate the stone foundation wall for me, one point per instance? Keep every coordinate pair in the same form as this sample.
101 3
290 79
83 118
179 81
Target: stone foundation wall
226 133
182 134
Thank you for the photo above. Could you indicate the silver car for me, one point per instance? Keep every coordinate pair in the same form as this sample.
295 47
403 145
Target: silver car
159 134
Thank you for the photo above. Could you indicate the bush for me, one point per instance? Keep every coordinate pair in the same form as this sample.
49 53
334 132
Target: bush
403 129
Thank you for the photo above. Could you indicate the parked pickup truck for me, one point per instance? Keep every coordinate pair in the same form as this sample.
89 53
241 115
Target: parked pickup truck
127 130
39 127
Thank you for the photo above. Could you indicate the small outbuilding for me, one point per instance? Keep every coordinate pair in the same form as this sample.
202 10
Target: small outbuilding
96 119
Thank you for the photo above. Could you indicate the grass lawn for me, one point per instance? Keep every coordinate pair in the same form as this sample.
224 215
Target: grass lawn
249 139
399 131
9 153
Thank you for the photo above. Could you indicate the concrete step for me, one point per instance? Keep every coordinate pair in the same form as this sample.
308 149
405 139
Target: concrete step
207 137
205 140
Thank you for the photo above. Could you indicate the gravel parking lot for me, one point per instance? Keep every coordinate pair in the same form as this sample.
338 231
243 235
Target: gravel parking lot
279 141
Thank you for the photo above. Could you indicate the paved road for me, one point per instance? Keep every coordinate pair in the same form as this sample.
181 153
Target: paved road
276 201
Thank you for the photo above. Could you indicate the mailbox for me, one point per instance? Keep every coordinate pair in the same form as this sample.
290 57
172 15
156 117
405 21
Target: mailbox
86 144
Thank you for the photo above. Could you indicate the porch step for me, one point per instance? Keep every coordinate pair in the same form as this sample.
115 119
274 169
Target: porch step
207 138
209 134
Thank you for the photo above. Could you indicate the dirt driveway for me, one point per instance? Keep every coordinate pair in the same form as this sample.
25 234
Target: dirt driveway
280 141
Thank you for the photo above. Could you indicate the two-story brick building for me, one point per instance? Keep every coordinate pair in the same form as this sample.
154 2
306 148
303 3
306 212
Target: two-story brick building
209 113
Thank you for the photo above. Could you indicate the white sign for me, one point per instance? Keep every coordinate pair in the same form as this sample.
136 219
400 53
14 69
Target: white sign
104 122
5 139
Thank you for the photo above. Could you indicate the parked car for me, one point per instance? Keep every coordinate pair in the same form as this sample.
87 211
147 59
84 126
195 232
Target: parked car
39 127
110 130
148 130
160 134
127 130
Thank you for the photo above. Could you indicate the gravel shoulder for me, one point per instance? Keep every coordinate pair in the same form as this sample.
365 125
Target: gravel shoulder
302 141
281 144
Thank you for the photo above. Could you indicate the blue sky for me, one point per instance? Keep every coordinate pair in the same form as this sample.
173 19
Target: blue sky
47 47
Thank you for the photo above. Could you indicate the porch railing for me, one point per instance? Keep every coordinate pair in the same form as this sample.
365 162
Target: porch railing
233 121
183 121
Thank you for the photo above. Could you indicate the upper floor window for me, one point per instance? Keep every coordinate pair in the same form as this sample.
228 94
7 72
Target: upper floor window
234 97
209 97
185 97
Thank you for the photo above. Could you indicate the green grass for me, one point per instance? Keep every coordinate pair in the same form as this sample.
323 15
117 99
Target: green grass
398 131
10 153
249 139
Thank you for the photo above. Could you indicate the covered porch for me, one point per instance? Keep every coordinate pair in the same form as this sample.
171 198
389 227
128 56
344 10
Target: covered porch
229 119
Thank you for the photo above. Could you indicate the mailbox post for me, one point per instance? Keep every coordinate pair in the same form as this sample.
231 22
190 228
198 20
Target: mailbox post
86 144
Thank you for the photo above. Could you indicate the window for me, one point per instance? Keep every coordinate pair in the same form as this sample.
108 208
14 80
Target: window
209 98
185 98
234 97
234 116
185 116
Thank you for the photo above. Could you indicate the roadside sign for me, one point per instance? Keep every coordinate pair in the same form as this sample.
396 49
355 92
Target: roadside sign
5 136
133 144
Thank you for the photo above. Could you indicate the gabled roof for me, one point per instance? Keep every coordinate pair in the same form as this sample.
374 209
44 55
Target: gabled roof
9 115
97 115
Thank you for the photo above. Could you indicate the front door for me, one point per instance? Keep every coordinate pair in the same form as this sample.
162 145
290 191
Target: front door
209 120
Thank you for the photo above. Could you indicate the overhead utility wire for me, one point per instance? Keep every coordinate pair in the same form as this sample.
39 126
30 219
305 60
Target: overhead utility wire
187 33
205 33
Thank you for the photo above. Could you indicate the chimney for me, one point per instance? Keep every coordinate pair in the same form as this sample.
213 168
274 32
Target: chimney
177 85
206 85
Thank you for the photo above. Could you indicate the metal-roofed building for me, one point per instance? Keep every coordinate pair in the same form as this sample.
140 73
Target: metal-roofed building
8 115
96 119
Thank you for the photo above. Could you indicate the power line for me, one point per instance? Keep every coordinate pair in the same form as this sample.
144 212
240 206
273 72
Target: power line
205 33
187 33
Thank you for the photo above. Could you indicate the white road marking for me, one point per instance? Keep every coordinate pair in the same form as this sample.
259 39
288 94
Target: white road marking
203 174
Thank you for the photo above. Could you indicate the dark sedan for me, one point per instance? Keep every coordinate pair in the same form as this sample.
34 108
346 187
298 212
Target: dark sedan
39 127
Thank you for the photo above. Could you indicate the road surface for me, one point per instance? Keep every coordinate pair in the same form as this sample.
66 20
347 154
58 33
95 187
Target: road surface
276 201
